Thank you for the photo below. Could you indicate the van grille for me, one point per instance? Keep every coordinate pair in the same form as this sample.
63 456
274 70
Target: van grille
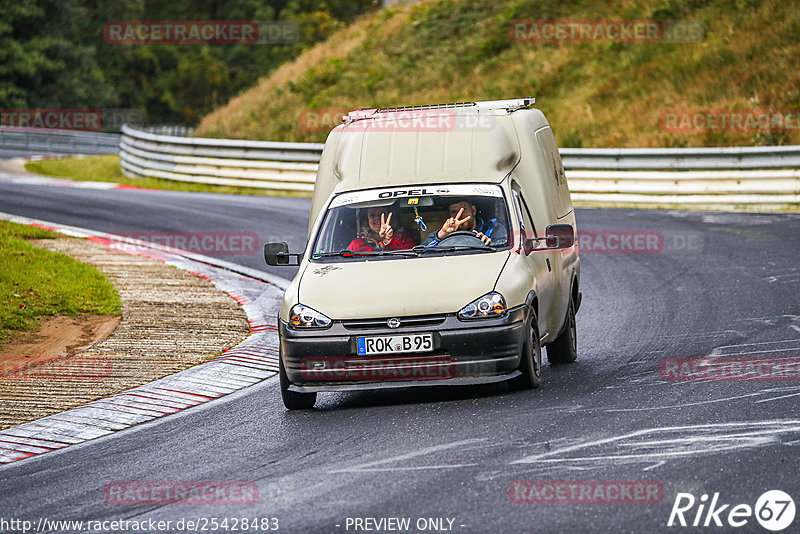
366 324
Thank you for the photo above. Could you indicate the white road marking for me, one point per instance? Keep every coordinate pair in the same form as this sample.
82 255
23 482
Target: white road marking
413 454
418 468
678 441
720 351
777 398
712 333
654 466
685 405
760 351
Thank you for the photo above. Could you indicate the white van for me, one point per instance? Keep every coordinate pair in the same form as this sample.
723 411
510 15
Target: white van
441 252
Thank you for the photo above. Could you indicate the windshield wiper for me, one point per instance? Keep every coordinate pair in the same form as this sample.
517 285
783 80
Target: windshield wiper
341 253
404 252
456 248
347 252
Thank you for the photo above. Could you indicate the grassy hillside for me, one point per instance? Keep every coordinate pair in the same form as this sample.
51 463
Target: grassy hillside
596 94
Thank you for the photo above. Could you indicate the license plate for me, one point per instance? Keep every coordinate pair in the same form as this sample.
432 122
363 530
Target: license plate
395 344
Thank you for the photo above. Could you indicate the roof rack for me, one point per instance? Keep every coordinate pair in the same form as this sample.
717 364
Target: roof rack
509 105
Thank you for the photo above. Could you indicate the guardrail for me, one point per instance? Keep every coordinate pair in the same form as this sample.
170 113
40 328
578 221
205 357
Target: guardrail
260 164
764 178
751 157
47 141
167 129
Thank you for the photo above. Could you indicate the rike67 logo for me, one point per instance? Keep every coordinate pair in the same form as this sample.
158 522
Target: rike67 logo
774 510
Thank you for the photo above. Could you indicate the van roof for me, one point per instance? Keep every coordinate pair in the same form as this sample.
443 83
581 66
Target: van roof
474 141
415 145
508 106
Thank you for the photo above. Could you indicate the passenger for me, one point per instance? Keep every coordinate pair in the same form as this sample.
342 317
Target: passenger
483 230
379 235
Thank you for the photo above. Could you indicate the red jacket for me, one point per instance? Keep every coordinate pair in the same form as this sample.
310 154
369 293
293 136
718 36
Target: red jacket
398 242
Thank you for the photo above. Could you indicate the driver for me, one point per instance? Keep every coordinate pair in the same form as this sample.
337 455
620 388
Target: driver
483 230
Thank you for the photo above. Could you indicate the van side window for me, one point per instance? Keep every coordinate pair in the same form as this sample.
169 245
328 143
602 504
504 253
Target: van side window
526 221
526 216
518 210
527 229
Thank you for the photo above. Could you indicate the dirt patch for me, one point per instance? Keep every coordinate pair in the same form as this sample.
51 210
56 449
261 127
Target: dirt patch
58 337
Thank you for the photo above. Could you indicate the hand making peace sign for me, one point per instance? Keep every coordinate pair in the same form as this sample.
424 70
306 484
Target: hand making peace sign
452 224
386 232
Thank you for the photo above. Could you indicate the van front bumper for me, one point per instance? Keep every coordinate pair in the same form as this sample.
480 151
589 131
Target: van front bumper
464 353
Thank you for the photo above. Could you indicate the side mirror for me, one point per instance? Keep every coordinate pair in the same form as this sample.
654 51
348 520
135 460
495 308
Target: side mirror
559 236
277 254
528 244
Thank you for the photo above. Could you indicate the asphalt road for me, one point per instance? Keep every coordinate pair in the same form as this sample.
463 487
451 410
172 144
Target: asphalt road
15 153
163 216
723 285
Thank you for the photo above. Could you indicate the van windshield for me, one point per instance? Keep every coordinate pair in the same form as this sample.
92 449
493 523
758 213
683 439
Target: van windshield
413 222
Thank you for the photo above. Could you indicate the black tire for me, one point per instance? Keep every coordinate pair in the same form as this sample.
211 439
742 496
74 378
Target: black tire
530 365
564 349
291 399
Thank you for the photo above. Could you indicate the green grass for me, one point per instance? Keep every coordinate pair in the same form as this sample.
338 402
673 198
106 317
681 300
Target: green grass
108 169
97 168
36 283
595 94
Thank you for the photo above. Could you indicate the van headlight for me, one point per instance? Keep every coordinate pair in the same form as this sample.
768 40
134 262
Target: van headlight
490 305
304 317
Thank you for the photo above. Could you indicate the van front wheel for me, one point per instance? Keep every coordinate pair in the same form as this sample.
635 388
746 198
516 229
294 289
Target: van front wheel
564 348
291 399
530 364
